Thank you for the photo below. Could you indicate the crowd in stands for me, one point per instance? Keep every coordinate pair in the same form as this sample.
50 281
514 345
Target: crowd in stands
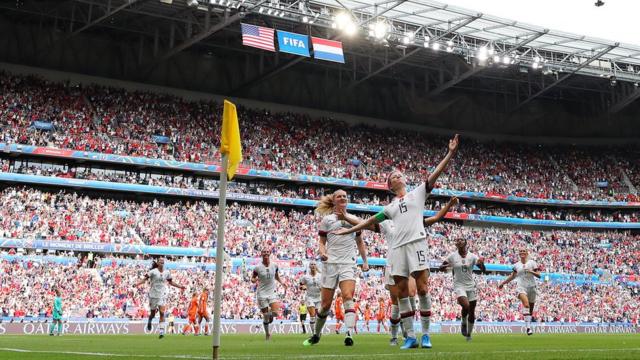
314 192
108 120
28 213
26 292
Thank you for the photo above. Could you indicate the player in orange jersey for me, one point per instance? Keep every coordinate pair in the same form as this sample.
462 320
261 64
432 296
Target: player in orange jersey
381 314
368 315
203 312
192 313
338 312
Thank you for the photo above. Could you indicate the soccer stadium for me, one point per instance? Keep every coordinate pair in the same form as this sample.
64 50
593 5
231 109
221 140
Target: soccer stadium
319 179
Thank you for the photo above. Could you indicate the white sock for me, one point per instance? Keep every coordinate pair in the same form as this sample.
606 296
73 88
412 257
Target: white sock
395 321
425 312
312 324
161 327
407 316
349 315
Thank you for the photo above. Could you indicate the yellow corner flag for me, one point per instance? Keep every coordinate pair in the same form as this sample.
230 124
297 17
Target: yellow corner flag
230 138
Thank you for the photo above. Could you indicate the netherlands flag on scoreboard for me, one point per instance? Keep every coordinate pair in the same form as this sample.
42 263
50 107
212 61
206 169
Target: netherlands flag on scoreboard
327 50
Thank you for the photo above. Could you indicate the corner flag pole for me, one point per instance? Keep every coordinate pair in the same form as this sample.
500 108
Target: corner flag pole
217 297
231 150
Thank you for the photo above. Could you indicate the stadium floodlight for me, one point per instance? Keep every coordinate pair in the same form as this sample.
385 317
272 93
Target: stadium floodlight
535 65
435 46
449 49
192 3
269 12
496 59
536 59
261 10
380 30
426 42
482 54
491 51
342 20
506 60
350 29
450 43
305 19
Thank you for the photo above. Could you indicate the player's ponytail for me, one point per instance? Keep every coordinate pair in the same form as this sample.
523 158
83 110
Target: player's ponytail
154 264
325 205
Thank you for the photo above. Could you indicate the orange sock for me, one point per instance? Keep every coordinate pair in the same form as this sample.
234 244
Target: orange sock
197 329
186 328
206 328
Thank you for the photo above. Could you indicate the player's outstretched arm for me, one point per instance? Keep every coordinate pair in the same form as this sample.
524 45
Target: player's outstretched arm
352 219
453 148
507 280
444 266
379 217
362 249
535 273
170 281
437 217
143 280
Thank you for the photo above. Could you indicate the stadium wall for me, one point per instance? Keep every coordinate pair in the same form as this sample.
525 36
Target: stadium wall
123 327
76 78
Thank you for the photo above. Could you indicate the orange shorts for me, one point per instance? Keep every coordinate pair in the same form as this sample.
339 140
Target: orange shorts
192 318
204 315
340 317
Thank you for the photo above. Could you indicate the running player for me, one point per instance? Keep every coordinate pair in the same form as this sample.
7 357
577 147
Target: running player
381 314
464 286
265 275
203 312
338 311
408 256
311 283
338 253
158 279
525 271
192 313
57 314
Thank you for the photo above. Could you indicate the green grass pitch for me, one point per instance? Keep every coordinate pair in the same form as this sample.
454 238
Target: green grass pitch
288 347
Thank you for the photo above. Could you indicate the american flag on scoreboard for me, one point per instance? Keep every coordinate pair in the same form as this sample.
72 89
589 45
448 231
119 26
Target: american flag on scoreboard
258 37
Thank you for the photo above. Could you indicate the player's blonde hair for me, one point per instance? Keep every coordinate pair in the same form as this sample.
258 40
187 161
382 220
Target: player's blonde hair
326 204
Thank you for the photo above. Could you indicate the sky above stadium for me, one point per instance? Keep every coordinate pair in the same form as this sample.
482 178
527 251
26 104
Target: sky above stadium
617 20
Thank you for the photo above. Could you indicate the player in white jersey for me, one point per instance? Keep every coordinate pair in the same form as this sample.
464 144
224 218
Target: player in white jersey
462 262
265 276
338 254
525 271
311 283
158 278
408 256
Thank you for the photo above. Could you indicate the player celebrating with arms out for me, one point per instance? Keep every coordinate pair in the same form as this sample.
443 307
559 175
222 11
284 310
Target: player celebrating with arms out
158 278
338 253
525 271
311 283
464 286
265 275
408 255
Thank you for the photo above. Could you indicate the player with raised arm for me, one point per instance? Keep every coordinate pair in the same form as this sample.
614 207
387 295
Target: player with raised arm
338 254
311 283
462 262
265 276
408 256
525 271
158 278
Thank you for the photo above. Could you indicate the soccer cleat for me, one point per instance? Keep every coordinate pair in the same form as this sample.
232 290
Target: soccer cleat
393 342
468 338
51 334
463 328
268 337
529 331
312 340
348 341
161 336
149 325
409 343
425 342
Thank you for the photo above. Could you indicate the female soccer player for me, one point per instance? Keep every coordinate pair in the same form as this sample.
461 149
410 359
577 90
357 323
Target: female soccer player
57 314
464 286
381 314
265 275
311 283
158 278
408 256
338 254
203 312
525 271
192 313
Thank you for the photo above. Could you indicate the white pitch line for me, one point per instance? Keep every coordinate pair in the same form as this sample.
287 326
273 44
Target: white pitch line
318 356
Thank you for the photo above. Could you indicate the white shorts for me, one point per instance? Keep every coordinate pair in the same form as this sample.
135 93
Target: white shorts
388 279
266 301
469 293
312 302
155 303
531 292
409 258
334 274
